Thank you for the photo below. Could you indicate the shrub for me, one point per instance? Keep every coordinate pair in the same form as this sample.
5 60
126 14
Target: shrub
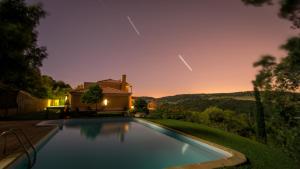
140 105
215 114
203 117
212 116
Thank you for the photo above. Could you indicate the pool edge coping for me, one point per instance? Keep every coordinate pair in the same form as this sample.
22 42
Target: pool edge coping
236 159
12 160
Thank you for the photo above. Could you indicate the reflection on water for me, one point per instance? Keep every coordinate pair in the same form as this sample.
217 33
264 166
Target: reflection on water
92 130
184 148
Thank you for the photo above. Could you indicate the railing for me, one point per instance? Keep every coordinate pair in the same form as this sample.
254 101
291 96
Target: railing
27 152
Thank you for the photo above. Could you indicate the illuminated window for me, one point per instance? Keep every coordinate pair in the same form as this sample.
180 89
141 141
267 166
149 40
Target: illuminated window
49 102
56 102
105 102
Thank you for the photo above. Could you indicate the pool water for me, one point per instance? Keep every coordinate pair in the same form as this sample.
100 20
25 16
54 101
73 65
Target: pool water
119 143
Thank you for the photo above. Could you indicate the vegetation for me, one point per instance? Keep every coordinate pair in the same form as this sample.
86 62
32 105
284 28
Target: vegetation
227 120
277 83
200 102
20 55
93 95
260 116
289 9
260 156
55 89
140 105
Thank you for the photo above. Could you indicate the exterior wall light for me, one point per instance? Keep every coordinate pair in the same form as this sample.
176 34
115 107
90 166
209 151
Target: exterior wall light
105 102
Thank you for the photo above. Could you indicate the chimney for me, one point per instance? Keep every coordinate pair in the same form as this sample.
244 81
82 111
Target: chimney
123 85
123 78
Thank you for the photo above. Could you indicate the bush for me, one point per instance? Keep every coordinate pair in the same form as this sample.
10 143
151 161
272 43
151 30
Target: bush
215 114
286 137
212 116
203 117
140 105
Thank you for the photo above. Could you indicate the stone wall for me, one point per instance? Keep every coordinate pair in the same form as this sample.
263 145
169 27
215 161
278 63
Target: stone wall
26 104
30 104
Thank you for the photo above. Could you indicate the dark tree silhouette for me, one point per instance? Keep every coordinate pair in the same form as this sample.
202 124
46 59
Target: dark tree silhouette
20 55
289 9
93 95
260 116
140 105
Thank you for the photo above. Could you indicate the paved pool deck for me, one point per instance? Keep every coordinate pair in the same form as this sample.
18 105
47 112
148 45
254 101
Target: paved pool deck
13 149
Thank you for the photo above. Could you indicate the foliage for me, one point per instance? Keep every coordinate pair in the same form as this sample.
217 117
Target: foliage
289 9
261 134
278 84
93 95
199 102
213 116
140 105
260 156
20 55
55 89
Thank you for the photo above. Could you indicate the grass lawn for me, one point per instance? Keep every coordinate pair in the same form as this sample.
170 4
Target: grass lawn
259 155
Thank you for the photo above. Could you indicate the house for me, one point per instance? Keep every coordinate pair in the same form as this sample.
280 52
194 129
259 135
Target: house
116 95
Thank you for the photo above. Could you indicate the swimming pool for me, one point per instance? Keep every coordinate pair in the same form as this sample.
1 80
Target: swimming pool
115 143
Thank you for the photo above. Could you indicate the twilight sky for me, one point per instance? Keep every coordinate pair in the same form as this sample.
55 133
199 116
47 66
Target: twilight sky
90 40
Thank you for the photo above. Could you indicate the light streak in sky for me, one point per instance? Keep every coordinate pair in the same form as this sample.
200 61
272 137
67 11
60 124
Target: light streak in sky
133 26
185 63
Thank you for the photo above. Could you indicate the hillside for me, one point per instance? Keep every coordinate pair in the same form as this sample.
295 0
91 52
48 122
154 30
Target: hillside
247 95
240 102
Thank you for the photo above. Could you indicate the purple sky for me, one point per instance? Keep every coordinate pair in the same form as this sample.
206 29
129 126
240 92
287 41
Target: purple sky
90 40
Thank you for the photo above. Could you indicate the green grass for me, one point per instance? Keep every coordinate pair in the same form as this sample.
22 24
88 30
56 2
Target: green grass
260 156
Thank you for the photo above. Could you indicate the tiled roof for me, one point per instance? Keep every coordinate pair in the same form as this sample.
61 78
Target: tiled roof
104 90
113 90
112 81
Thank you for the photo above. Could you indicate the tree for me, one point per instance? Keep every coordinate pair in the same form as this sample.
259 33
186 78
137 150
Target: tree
279 83
141 105
260 116
20 55
92 96
288 70
289 9
56 89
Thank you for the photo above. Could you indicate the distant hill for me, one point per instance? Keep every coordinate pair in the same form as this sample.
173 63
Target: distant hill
242 102
247 95
147 98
